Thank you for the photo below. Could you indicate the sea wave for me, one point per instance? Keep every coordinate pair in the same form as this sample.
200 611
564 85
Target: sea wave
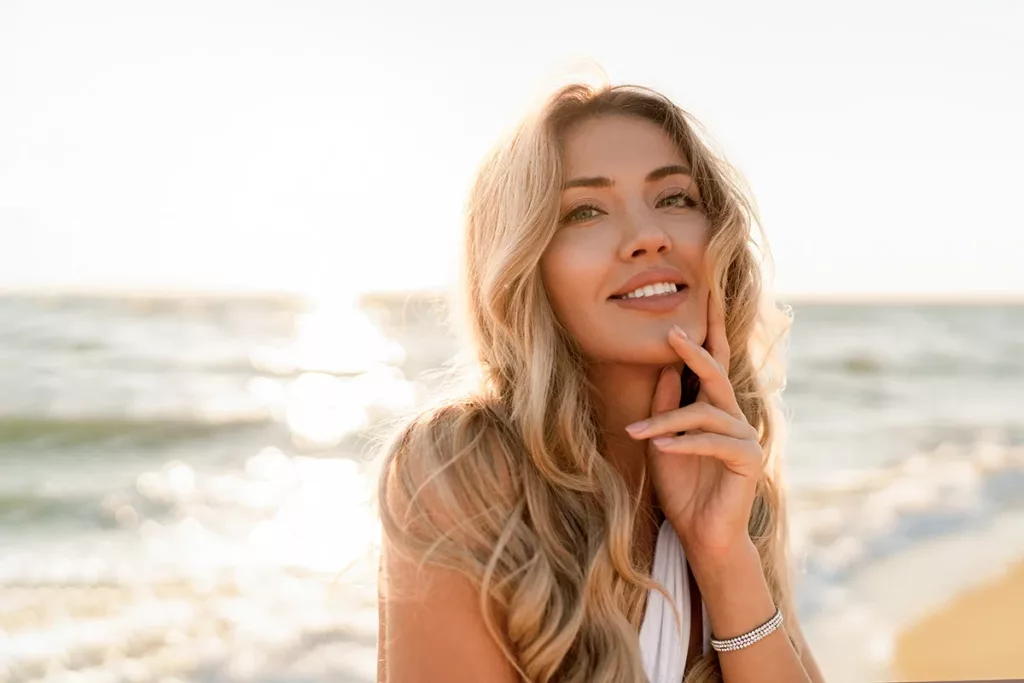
67 431
27 507
925 364
840 530
271 627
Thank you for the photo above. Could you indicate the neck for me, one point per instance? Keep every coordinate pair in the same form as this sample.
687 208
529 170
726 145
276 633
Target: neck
624 395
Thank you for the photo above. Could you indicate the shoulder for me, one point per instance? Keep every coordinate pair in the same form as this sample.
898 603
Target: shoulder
446 434
450 430
449 466
447 493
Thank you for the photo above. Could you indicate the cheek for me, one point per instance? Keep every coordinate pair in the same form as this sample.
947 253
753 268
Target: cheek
557 273
694 238
691 247
573 275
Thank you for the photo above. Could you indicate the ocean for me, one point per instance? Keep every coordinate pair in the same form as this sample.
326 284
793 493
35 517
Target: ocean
185 481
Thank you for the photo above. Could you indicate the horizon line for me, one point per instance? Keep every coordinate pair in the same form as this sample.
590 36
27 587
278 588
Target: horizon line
157 292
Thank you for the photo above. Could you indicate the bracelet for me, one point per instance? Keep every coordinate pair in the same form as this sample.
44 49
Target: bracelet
750 637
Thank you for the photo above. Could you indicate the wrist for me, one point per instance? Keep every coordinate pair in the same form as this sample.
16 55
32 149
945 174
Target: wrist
733 588
723 565
723 560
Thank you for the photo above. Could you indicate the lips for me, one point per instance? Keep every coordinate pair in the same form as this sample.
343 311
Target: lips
650 278
657 289
658 304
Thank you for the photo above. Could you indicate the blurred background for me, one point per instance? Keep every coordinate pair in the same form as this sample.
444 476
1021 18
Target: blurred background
226 233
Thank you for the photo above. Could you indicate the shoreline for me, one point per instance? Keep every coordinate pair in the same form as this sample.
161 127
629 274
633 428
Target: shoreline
898 594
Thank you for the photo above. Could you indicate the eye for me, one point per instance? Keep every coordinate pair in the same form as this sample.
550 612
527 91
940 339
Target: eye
578 214
683 200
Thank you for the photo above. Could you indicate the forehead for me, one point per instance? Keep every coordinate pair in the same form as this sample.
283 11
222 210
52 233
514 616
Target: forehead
616 144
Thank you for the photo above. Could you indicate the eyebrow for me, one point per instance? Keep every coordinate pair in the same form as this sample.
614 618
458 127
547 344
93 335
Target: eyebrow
600 181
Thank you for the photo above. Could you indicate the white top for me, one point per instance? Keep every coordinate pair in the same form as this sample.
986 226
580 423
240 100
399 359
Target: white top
663 644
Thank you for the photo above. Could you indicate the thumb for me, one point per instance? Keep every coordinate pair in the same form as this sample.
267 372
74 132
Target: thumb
668 391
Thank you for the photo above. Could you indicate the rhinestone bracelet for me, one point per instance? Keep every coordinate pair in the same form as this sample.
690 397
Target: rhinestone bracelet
749 638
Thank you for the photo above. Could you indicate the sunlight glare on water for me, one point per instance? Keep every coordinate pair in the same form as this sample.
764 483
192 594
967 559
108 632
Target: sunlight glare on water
324 523
347 371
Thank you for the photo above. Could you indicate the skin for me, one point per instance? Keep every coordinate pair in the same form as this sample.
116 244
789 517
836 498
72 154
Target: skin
703 482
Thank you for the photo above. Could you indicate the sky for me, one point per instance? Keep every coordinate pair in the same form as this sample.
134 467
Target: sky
327 146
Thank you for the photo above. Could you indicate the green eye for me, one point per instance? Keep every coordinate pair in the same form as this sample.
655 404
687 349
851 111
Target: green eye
575 216
687 201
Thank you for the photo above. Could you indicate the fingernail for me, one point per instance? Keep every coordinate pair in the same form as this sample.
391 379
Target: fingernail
679 331
662 441
638 427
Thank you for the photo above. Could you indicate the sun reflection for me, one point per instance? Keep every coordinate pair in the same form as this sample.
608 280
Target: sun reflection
325 524
322 410
332 338
337 376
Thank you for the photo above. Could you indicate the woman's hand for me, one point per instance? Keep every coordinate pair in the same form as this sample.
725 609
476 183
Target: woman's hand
705 479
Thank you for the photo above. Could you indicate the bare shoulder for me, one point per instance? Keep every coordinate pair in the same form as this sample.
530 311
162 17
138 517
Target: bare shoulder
452 460
447 491
439 635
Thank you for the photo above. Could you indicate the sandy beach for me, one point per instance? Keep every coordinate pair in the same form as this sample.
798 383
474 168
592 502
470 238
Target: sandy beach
977 635
915 613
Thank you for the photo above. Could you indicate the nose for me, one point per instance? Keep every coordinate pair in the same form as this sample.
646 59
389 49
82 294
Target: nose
645 238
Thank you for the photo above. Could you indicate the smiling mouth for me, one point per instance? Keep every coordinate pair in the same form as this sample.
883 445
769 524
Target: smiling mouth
651 291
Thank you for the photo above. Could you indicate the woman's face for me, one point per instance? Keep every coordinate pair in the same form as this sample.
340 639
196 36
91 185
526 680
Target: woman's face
626 261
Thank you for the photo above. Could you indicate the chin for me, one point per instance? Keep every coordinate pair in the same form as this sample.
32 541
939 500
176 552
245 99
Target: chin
647 352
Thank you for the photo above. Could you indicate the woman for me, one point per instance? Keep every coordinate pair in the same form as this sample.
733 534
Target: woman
605 504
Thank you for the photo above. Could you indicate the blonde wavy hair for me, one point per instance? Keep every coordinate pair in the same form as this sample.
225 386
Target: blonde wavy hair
507 483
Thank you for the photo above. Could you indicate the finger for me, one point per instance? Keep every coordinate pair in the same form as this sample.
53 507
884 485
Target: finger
668 391
741 456
702 416
714 383
717 343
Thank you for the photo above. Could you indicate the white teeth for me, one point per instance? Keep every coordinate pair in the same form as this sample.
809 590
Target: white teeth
652 290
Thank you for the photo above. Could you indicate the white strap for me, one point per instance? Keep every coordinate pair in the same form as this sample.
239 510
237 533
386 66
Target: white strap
663 642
